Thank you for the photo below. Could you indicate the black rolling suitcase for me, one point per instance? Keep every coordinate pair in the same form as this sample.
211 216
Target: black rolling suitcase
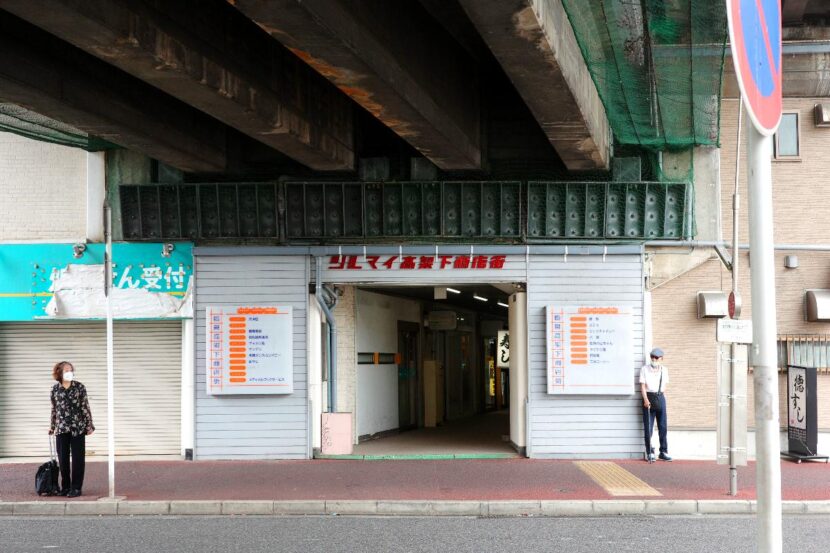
46 478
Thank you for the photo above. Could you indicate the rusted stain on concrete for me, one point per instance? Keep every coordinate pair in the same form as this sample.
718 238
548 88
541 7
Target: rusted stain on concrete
347 80
526 24
528 28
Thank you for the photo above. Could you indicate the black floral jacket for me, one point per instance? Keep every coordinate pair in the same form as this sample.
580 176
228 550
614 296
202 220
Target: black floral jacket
70 410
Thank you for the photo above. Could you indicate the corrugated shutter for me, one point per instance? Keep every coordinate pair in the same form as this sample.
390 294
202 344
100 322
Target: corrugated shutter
583 426
253 427
148 364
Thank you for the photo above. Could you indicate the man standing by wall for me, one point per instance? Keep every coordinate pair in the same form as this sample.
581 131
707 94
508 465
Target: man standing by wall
653 380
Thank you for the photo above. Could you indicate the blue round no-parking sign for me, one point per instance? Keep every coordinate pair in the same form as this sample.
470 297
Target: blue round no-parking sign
755 37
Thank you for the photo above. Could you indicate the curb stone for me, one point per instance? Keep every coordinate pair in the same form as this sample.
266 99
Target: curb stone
724 506
619 507
91 508
40 508
195 507
345 507
513 508
458 508
817 507
578 508
793 507
300 507
248 507
422 508
672 507
144 508
495 508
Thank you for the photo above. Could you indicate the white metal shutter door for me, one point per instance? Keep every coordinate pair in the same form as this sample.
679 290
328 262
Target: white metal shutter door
147 384
583 426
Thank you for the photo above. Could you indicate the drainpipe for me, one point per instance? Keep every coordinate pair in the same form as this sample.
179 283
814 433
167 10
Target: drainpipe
331 358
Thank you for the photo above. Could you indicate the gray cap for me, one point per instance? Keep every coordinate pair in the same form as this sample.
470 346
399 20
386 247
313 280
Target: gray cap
657 352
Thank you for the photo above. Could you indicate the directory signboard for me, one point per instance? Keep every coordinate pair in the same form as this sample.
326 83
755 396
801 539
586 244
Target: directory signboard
249 350
590 350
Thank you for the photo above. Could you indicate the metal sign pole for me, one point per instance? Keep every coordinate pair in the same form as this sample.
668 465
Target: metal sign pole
110 386
736 198
764 349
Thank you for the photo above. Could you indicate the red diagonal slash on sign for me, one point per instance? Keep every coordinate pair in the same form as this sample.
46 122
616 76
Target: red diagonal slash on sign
767 42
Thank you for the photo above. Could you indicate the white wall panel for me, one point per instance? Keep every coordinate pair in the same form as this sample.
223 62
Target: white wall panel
583 426
261 427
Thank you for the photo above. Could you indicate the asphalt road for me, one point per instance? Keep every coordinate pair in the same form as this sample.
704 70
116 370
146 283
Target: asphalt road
371 534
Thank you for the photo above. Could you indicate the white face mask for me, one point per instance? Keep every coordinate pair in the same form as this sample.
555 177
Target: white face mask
68 376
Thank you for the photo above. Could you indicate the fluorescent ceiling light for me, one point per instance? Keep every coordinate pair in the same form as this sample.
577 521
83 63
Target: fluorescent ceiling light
453 290
503 304
479 298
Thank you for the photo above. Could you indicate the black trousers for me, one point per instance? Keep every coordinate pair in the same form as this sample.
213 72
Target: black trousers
67 444
658 411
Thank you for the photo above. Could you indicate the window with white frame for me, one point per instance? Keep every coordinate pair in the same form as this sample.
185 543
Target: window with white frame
787 139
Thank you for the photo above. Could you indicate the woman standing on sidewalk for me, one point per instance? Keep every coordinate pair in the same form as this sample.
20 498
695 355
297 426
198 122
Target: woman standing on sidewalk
71 423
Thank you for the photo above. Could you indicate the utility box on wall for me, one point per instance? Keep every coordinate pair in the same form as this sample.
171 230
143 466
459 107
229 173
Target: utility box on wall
712 305
817 305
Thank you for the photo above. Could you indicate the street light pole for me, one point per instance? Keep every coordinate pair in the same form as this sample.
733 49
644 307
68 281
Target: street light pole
110 347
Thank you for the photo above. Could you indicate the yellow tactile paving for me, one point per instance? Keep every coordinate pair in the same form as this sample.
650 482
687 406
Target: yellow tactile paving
614 479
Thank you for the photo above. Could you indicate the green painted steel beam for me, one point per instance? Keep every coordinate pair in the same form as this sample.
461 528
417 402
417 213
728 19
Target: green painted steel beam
407 212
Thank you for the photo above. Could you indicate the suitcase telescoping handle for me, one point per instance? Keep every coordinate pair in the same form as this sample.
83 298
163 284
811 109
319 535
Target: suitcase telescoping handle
53 447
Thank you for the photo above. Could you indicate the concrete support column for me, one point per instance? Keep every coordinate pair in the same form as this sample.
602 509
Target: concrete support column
188 408
316 393
96 191
517 319
345 316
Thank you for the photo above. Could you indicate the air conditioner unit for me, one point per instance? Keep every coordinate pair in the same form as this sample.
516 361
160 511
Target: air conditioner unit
711 305
822 114
817 303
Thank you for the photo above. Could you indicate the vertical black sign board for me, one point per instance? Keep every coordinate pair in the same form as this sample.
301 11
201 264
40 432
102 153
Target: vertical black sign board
802 414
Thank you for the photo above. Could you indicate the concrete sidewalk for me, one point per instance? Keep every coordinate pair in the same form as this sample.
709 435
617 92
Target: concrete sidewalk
497 487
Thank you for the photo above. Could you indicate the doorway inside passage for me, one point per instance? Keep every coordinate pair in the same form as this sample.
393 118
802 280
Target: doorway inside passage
431 370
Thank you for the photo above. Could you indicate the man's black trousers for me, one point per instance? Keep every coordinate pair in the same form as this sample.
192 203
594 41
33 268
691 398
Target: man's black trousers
657 411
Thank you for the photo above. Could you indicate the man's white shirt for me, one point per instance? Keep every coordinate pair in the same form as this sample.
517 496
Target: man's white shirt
650 375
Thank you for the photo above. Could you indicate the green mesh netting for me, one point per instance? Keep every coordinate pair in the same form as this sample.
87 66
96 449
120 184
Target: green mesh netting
657 65
23 122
